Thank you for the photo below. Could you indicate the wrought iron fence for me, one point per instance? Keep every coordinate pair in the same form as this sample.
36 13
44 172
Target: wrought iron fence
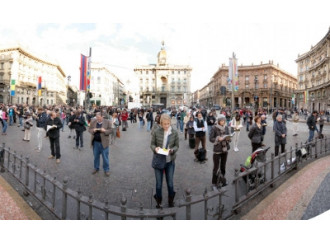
268 172
65 203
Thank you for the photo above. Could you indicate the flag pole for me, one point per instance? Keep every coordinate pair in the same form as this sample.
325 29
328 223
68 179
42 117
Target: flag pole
233 83
87 86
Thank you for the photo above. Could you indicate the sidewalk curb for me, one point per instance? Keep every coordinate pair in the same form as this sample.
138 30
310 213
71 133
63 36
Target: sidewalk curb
24 208
266 210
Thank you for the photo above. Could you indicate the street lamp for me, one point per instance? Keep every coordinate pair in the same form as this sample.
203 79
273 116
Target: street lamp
256 98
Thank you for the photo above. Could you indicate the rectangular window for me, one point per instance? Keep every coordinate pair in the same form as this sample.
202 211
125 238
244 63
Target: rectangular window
1 66
265 77
265 85
247 78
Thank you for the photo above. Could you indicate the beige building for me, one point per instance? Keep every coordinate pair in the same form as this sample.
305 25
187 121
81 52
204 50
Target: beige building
313 91
164 83
106 88
261 86
25 68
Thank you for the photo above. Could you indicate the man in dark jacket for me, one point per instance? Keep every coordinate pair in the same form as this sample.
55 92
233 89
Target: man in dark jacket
53 127
280 135
79 125
311 122
41 120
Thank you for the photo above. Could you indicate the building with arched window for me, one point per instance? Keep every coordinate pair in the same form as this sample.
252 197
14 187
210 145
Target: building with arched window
313 92
164 83
25 68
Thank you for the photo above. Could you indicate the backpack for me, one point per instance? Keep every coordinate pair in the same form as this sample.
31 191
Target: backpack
201 154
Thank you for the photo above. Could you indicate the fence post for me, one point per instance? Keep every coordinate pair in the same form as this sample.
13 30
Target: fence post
325 141
188 207
123 202
90 205
272 168
78 203
316 147
2 158
27 176
205 203
321 144
106 209
64 198
14 163
54 193
296 165
236 187
43 188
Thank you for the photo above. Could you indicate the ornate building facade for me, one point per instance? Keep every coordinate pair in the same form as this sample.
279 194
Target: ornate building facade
313 92
163 83
260 86
25 68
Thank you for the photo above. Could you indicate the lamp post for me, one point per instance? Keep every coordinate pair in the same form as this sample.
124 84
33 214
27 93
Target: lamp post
256 98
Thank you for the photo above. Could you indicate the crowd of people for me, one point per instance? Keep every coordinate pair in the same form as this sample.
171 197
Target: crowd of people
197 125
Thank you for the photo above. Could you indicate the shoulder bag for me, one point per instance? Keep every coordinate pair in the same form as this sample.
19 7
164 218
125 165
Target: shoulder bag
158 160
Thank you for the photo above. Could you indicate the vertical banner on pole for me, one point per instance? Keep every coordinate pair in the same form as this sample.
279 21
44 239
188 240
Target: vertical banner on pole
89 73
12 87
230 74
83 72
39 86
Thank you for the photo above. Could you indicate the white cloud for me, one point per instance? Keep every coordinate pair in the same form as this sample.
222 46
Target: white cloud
203 46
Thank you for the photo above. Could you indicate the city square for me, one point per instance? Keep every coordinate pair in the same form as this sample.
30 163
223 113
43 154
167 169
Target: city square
69 151
131 174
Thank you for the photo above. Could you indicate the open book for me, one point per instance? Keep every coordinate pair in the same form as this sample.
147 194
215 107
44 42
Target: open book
49 127
238 128
229 136
163 151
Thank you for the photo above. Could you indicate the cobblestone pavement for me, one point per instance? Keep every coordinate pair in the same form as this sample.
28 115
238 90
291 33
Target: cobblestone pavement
131 174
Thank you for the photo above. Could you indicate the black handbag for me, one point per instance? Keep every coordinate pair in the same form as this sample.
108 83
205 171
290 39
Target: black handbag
158 160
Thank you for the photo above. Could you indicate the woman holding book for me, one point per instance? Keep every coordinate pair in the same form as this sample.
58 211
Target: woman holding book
165 137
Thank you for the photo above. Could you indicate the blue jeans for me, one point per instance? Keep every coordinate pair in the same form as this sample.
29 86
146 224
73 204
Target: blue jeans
11 120
20 121
177 124
141 124
97 151
63 123
311 135
181 125
169 172
148 125
5 125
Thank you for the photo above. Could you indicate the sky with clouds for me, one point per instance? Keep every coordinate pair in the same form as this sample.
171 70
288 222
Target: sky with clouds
204 46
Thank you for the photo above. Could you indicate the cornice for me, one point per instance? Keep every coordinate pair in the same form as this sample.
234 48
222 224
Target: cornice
22 51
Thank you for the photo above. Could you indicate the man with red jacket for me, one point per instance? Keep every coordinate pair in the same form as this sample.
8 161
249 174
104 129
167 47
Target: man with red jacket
124 117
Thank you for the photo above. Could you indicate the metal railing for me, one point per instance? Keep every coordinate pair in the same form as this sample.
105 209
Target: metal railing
64 203
274 169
